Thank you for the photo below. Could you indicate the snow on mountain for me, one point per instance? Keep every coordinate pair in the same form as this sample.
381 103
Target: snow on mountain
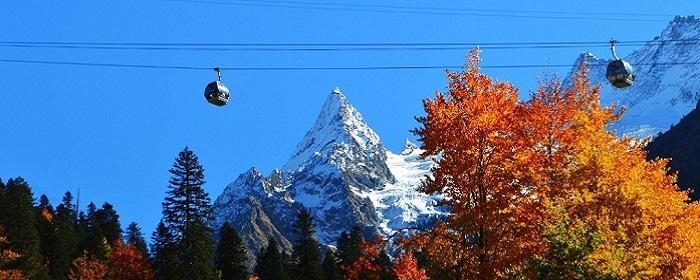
343 174
664 90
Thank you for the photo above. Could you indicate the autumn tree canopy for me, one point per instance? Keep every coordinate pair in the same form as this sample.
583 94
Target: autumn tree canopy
529 181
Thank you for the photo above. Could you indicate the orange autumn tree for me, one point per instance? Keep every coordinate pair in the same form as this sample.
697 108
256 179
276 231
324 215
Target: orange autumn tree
406 268
644 226
365 267
127 262
541 189
473 129
87 268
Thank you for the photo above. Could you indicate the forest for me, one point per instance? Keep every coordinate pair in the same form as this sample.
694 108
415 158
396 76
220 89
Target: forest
537 189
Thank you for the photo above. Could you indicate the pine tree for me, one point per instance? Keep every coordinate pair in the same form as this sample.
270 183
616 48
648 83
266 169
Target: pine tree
21 227
231 255
134 237
107 219
306 255
164 253
45 216
349 246
270 263
331 268
187 212
65 239
94 241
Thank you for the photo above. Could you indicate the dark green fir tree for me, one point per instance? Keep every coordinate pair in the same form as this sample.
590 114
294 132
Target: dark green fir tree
270 263
19 220
164 253
134 237
107 219
306 254
65 247
231 255
187 212
349 246
94 241
331 268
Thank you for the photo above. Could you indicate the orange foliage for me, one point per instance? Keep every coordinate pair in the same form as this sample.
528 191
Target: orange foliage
366 267
509 168
87 268
6 257
406 268
473 128
128 263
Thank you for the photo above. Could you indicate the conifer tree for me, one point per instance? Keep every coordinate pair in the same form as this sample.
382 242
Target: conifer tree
349 246
164 253
231 255
21 227
134 237
187 212
65 246
45 216
306 255
94 241
107 219
331 268
270 263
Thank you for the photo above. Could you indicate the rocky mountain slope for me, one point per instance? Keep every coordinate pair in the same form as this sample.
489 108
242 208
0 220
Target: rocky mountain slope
682 144
342 173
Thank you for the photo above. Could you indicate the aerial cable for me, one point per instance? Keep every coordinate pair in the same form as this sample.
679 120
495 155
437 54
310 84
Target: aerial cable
461 9
404 67
372 44
447 13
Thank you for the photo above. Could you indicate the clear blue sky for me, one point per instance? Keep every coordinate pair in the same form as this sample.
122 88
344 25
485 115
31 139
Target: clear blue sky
114 132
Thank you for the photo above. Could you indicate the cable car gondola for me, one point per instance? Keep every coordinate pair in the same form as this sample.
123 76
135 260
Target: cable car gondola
216 92
620 73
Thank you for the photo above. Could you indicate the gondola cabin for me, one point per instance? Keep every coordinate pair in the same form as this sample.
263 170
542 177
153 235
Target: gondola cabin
216 92
619 73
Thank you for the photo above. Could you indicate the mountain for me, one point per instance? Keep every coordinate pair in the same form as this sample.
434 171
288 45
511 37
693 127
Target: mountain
681 143
664 90
343 174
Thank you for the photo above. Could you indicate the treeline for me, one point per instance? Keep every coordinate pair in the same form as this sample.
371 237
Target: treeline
38 241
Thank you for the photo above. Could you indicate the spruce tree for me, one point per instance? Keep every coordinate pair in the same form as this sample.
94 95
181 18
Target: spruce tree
65 239
134 237
94 241
270 263
306 255
349 246
331 268
107 219
187 212
231 255
164 253
21 227
45 215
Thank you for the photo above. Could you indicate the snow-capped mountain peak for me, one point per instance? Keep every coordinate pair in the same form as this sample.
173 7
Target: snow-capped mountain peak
338 123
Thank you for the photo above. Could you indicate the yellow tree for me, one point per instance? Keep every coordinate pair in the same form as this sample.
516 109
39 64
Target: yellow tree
607 212
473 131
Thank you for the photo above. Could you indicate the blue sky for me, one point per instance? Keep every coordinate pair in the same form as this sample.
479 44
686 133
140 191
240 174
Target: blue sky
114 132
